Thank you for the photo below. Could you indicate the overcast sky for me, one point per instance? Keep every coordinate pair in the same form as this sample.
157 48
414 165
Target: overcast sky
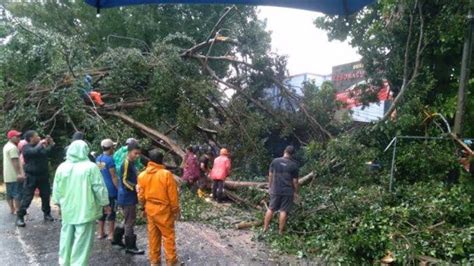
307 47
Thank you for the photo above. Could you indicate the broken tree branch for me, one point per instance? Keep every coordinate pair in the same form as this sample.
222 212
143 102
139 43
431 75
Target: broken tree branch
460 142
124 105
207 130
280 84
305 179
53 117
129 120
235 198
220 21
205 44
237 184
246 225
260 185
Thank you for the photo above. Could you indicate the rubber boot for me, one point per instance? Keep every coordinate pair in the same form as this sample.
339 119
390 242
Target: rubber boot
118 237
20 222
201 193
131 245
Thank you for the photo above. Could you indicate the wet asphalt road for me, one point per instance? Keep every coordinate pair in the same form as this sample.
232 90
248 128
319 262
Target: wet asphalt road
37 244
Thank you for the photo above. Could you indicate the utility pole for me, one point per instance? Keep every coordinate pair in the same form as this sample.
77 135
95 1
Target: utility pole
465 69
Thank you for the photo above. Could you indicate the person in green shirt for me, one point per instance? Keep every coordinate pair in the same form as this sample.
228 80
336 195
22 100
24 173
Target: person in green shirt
121 154
81 194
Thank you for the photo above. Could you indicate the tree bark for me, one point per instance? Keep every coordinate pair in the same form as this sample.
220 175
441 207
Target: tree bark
305 179
239 184
235 198
124 105
465 71
134 123
246 225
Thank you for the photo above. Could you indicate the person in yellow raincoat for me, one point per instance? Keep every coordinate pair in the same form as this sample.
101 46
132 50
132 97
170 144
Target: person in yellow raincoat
80 192
158 192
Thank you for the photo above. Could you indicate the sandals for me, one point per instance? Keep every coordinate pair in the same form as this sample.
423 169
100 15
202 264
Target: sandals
102 237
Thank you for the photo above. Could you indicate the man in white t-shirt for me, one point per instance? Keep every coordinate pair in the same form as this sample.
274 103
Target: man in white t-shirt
13 176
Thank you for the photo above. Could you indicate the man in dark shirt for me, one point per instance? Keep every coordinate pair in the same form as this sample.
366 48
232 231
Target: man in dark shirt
205 169
283 183
36 168
127 200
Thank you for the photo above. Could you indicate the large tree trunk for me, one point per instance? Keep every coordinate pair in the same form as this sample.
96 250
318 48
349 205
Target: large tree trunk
174 147
465 70
229 184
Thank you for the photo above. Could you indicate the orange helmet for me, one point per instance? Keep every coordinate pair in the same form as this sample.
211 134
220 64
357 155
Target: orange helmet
224 151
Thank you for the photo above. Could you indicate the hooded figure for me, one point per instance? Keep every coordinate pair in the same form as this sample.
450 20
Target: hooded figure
80 192
158 192
191 171
121 154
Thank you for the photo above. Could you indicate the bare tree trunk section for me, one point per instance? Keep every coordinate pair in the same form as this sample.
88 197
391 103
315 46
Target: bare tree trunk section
134 123
465 71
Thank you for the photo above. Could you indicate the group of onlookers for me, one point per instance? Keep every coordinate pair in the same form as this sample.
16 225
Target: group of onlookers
25 169
89 188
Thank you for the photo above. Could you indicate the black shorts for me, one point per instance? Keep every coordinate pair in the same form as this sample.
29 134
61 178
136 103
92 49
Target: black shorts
110 217
281 203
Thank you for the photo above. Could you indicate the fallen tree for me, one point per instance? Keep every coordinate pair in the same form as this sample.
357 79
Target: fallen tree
152 132
229 184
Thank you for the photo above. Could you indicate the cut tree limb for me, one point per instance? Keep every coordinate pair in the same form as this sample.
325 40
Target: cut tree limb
124 105
238 184
235 198
245 225
306 178
206 130
460 142
142 127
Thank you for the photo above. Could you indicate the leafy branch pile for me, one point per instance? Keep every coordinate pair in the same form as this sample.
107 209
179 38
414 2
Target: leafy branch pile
354 218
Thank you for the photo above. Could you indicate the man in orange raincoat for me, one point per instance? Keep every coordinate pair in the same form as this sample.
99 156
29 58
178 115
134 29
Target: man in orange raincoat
158 192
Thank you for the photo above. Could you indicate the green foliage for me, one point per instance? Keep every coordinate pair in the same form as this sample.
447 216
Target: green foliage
380 34
361 225
342 160
192 207
134 59
428 160
346 213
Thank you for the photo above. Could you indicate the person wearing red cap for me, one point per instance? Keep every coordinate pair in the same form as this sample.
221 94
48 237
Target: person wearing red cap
12 171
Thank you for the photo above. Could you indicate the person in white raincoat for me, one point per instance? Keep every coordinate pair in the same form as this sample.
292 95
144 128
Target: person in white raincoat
80 192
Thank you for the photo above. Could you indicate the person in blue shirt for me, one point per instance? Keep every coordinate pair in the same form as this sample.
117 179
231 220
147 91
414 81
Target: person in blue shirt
106 164
127 200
